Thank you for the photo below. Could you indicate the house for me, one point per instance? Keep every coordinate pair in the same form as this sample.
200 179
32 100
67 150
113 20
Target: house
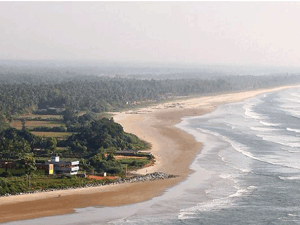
62 167
7 164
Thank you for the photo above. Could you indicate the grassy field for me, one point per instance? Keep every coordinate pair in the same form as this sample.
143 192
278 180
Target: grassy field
32 116
119 157
31 124
52 134
104 115
134 163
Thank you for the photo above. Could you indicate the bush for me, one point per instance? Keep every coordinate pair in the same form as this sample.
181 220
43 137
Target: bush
133 163
6 174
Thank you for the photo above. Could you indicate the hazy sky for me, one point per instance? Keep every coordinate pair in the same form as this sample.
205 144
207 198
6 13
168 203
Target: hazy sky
245 33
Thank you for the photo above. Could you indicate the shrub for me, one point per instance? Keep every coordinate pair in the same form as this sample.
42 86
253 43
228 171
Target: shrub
6 174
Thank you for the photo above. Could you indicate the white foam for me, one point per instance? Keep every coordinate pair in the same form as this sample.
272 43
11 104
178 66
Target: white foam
237 146
290 106
290 178
290 99
225 176
215 204
263 129
291 150
244 170
295 95
250 113
243 149
270 124
292 112
252 187
288 141
233 166
222 158
294 130
239 193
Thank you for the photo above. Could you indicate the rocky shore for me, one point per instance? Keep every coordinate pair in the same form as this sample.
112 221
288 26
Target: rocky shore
133 179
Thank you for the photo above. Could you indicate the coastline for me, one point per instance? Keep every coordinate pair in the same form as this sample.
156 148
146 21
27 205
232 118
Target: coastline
173 149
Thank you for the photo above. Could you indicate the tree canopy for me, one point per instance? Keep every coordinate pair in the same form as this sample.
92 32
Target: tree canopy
100 94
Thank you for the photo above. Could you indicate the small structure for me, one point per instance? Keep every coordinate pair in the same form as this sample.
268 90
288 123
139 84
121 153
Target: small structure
7 164
62 167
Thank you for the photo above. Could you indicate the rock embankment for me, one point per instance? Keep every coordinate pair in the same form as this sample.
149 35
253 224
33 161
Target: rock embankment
133 179
147 177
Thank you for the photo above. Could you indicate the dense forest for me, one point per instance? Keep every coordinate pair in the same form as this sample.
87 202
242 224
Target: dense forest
29 93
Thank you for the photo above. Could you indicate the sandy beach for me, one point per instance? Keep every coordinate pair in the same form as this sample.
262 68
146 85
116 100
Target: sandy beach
174 151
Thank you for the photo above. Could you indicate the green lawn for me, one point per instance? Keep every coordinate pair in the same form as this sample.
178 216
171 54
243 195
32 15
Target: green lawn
52 134
31 124
134 163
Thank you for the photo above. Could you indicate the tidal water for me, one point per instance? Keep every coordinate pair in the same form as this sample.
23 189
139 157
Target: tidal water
248 171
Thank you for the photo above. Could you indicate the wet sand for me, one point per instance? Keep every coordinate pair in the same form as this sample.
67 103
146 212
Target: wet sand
173 148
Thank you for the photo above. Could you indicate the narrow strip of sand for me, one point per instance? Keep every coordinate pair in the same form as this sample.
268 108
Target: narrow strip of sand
173 148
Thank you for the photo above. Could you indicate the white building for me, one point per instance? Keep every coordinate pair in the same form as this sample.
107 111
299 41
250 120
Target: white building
63 167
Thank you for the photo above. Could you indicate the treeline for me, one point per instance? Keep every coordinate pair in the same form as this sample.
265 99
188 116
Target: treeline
15 144
99 94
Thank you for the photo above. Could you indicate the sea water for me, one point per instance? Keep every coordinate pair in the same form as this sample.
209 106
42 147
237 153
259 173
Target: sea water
248 171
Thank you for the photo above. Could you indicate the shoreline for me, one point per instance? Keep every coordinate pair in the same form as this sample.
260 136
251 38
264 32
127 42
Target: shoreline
174 151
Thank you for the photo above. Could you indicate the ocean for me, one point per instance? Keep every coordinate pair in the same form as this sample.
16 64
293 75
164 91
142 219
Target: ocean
248 171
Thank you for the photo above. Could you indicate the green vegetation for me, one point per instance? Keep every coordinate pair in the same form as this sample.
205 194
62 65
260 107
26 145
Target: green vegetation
58 135
97 141
102 136
50 129
134 163
44 95
94 143
31 124
41 116
13 185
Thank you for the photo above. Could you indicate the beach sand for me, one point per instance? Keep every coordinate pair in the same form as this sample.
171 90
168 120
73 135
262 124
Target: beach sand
174 151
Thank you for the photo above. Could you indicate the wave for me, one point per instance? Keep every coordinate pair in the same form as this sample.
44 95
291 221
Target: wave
288 141
215 204
295 95
270 124
290 178
289 106
293 130
225 176
263 129
232 166
292 112
291 150
289 99
237 146
245 150
250 113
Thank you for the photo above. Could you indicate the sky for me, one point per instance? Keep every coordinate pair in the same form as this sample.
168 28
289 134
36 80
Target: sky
235 33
